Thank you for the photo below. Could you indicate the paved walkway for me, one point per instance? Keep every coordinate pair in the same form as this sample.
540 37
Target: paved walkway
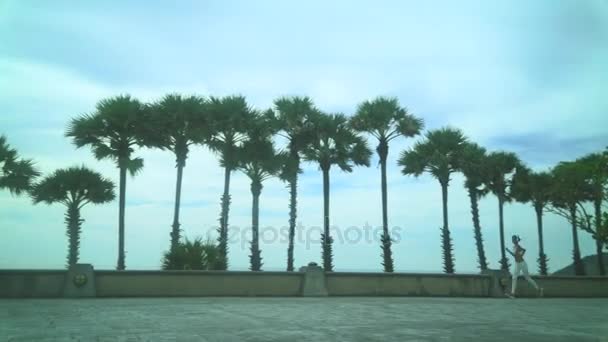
304 319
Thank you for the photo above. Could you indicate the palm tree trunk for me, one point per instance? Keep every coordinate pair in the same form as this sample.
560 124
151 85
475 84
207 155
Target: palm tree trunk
73 221
121 218
481 255
504 262
255 257
448 258
579 268
387 254
542 257
175 233
223 229
293 192
599 245
326 240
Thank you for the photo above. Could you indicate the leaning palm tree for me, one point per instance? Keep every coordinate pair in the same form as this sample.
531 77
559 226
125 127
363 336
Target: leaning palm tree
501 166
472 166
259 160
229 117
335 143
117 126
385 120
181 122
569 191
535 188
596 172
16 174
439 154
291 117
74 187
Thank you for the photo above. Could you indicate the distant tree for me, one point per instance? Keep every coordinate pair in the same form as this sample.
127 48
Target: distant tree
473 166
569 192
439 154
535 188
291 116
229 117
259 160
117 126
595 168
74 187
501 167
385 120
335 143
16 174
181 122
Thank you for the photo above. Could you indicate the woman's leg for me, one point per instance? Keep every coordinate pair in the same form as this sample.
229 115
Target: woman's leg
516 270
527 275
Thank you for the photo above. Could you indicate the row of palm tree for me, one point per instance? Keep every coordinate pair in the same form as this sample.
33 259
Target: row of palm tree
244 140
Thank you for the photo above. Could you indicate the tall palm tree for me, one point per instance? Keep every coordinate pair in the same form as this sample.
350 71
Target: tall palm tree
472 166
439 154
385 120
229 118
74 187
291 115
117 126
16 174
535 188
596 172
570 189
335 143
181 122
259 160
501 167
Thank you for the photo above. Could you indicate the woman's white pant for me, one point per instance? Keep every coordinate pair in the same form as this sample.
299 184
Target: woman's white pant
523 268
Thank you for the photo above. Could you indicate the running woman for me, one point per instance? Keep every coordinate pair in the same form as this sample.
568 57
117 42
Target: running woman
520 266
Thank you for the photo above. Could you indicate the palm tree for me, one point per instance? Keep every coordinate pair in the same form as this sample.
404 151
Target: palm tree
596 172
117 126
472 166
385 120
569 191
335 143
439 154
501 166
229 118
259 160
291 117
74 187
181 122
534 187
16 174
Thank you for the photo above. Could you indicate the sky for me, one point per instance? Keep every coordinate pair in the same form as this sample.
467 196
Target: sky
520 76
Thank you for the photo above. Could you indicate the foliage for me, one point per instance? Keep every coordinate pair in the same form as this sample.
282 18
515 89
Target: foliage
16 174
192 255
439 154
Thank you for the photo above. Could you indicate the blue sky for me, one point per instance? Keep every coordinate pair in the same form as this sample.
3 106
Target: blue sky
521 76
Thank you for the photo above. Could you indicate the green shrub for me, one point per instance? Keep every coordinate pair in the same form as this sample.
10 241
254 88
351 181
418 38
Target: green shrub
192 255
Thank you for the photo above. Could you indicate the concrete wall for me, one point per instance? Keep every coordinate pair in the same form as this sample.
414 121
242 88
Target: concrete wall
31 283
404 284
50 283
565 286
197 283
